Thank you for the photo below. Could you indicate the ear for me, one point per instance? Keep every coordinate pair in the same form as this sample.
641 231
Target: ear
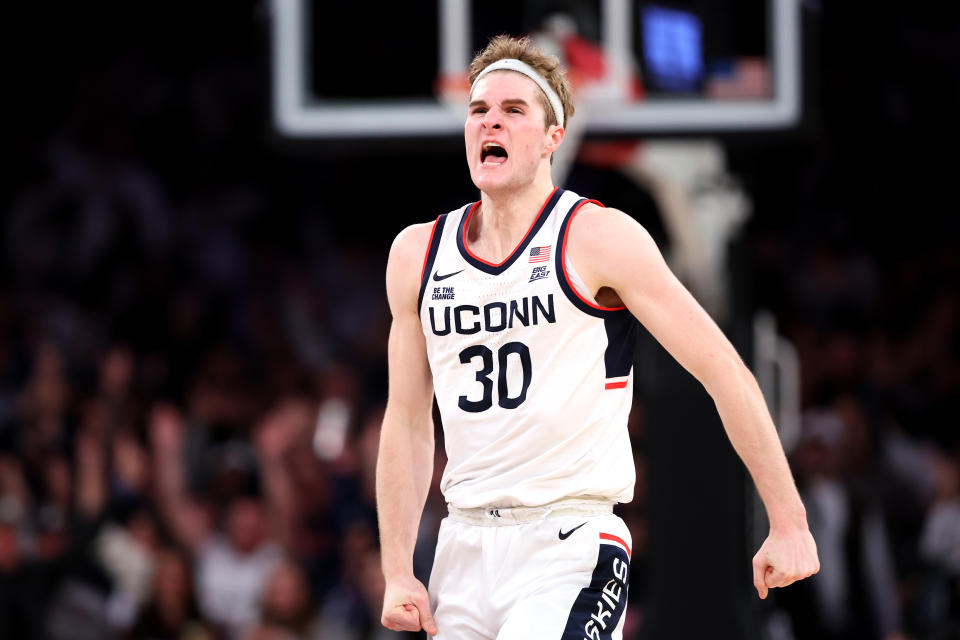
554 137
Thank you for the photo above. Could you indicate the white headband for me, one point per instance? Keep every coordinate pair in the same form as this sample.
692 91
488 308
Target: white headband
512 64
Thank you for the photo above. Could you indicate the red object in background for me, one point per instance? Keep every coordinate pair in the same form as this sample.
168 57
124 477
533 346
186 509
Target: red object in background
586 62
609 154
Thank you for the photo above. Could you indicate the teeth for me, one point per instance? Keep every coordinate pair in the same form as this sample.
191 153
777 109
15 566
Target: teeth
490 145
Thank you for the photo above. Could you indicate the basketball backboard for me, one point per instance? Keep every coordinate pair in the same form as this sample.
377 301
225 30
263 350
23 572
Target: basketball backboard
355 70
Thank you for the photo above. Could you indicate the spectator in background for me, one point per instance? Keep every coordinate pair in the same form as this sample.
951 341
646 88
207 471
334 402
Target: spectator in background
232 561
939 610
52 587
43 405
854 597
287 611
126 548
172 612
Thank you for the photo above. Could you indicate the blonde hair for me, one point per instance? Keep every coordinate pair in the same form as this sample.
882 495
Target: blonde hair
548 66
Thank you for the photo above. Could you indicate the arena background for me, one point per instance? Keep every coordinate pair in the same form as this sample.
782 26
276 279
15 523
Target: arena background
193 326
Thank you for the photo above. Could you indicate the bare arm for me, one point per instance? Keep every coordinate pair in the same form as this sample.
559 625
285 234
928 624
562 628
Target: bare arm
610 249
276 433
166 434
91 494
405 459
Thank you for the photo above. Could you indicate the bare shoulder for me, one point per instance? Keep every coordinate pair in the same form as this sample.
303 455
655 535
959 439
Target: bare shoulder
405 264
411 243
604 231
609 248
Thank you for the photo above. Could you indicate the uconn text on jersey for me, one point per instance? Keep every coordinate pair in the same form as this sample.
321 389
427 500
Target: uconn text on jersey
493 316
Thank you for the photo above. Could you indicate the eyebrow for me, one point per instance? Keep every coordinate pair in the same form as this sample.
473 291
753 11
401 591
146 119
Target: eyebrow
508 101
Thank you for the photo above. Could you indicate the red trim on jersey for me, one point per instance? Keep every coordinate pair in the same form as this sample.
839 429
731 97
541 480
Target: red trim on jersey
616 385
426 256
613 538
466 225
563 260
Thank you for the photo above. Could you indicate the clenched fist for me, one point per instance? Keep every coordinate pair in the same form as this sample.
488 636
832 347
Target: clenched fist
784 558
406 606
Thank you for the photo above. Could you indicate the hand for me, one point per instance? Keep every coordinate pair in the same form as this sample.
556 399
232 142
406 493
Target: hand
406 606
279 428
166 430
784 558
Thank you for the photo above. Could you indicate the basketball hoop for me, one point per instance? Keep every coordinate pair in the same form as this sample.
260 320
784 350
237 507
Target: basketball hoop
452 88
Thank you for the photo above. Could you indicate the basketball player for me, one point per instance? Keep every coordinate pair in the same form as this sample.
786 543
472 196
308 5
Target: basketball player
520 313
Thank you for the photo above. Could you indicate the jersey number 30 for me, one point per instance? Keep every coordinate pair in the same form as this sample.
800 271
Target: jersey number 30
504 399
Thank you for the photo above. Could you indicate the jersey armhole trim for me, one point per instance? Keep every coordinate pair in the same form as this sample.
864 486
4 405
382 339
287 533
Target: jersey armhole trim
561 267
431 255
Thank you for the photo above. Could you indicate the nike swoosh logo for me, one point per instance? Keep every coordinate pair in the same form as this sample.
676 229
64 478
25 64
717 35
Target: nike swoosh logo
438 277
564 536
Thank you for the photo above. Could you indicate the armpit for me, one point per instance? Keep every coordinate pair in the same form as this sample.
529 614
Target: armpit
607 297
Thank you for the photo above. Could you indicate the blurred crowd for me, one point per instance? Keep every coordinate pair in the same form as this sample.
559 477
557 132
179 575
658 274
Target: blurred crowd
188 432
878 460
191 362
186 450
192 376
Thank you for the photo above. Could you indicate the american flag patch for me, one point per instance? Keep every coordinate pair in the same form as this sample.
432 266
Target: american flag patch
540 254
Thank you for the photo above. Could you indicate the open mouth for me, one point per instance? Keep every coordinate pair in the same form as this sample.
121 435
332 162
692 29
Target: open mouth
492 154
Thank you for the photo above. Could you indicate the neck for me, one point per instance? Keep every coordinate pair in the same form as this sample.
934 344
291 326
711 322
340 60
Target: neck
507 213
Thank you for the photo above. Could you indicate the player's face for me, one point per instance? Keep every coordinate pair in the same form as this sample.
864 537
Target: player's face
504 132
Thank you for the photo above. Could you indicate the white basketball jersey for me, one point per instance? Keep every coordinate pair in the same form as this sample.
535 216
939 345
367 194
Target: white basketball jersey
533 378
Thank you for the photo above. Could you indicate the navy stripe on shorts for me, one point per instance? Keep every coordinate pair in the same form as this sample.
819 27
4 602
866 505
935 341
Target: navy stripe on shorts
597 610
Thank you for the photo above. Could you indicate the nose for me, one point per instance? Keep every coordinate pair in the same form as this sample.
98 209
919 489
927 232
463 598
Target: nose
491 119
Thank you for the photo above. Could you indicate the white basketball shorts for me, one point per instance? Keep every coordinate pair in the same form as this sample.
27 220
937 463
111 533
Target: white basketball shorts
559 572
